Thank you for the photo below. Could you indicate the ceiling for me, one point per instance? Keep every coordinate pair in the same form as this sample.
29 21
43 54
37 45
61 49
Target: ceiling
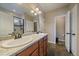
27 7
50 6
12 7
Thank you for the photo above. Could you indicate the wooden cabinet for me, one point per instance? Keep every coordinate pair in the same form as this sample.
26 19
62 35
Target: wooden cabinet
37 49
29 50
35 53
45 46
41 47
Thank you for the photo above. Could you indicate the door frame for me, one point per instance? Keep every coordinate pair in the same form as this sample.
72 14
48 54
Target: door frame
55 25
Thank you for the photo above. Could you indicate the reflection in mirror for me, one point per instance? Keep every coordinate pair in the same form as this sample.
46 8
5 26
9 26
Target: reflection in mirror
35 26
18 25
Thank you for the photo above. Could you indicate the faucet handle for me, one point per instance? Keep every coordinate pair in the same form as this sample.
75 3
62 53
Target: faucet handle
19 35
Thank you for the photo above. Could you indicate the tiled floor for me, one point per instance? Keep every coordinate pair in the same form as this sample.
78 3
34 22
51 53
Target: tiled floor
57 50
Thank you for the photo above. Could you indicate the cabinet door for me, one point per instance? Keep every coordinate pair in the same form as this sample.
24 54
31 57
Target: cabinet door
45 46
29 51
35 53
41 53
41 47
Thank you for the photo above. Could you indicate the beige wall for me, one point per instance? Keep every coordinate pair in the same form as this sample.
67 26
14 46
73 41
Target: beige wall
60 27
50 22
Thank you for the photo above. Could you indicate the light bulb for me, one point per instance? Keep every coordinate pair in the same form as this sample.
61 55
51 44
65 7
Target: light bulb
35 13
32 11
37 9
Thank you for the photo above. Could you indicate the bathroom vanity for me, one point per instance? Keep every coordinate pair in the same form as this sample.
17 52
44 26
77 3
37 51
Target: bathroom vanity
31 45
38 48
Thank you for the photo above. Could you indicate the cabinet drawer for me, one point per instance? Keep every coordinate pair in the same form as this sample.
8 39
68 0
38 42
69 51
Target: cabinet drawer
29 50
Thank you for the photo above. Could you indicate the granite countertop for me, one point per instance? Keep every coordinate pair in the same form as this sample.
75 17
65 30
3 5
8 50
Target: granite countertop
16 50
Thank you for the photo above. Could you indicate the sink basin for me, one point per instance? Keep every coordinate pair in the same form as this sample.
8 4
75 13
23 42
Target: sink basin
22 41
41 34
16 43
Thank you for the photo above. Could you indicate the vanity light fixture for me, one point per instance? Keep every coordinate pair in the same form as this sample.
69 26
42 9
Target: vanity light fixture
36 11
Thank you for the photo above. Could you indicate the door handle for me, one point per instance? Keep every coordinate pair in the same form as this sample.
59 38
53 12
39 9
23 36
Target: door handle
68 33
73 34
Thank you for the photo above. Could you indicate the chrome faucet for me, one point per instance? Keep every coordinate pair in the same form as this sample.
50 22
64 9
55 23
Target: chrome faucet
16 35
19 35
39 32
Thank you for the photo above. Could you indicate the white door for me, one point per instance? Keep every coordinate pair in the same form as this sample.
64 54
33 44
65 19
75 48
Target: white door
67 31
74 30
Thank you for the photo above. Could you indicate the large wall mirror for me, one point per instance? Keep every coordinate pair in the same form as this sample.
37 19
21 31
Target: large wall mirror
17 22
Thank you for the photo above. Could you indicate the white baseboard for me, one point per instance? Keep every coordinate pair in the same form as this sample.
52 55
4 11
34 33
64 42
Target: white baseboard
61 40
51 42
